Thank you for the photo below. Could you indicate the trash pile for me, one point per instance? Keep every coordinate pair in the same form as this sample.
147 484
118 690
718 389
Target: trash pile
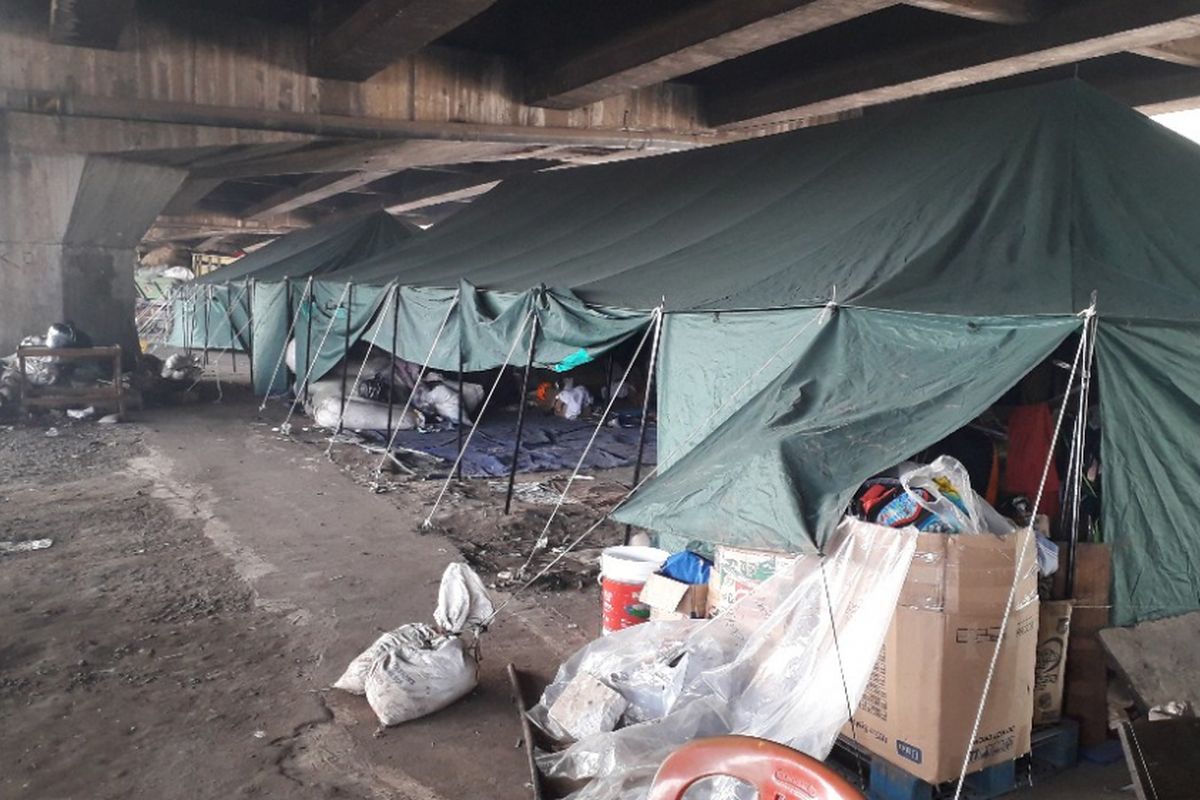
417 669
768 665
41 371
150 379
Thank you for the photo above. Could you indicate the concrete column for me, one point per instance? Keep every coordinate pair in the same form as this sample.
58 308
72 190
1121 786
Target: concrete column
69 226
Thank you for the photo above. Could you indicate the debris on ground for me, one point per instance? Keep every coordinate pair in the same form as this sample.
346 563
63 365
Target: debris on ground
24 547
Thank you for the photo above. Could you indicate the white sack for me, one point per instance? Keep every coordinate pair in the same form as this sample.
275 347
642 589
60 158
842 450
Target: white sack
417 669
443 401
462 600
361 415
574 399
425 672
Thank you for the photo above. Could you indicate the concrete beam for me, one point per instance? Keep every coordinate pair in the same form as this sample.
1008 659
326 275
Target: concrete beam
190 193
455 196
1157 93
704 34
89 23
1185 52
1005 12
377 157
312 190
61 105
176 228
1075 34
381 32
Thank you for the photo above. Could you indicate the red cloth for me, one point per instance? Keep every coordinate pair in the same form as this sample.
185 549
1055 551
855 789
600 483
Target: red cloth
1030 439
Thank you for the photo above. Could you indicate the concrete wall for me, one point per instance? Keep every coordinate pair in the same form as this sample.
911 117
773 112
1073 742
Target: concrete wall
263 67
67 235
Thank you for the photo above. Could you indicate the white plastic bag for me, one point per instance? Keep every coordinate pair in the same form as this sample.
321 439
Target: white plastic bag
944 476
417 669
779 664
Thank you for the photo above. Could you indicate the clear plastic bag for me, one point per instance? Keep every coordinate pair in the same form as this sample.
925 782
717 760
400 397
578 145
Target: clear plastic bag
947 482
784 663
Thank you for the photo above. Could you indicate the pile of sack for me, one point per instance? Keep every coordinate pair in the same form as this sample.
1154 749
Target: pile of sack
380 379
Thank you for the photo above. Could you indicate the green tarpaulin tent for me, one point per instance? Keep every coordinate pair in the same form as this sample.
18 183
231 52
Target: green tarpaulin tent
960 240
217 306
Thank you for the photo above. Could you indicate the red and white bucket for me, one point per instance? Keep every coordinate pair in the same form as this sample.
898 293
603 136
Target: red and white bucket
623 573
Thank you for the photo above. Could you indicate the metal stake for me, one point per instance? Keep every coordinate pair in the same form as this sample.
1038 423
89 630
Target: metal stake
308 336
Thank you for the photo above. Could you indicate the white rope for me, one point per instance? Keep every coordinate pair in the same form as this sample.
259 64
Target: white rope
543 540
479 417
233 337
286 339
1012 590
420 376
698 430
358 378
312 360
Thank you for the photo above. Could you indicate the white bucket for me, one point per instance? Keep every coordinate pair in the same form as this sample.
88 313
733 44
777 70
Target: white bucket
631 563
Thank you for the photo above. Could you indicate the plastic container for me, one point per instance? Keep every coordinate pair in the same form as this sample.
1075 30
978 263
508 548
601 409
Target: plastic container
623 573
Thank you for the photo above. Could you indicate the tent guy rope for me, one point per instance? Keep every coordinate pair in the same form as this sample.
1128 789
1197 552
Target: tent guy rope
543 540
1083 348
307 293
387 451
312 361
479 416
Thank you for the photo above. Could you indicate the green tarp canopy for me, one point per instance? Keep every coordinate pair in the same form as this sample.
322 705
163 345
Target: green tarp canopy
220 302
960 240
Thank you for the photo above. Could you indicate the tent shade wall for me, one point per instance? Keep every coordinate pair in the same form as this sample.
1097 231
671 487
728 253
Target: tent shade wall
1007 211
323 248
869 389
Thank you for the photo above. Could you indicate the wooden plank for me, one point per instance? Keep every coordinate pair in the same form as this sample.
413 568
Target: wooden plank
1085 697
89 23
1005 12
699 36
1185 52
1160 660
1073 34
380 32
307 192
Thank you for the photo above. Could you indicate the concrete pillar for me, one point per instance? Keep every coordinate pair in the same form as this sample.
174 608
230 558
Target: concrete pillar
69 226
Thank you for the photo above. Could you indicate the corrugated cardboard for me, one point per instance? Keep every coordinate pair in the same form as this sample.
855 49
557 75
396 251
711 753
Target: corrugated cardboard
737 571
1054 627
921 701
672 599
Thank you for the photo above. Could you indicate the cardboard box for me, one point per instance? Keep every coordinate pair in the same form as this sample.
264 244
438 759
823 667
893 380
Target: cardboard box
737 571
672 599
923 694
1054 627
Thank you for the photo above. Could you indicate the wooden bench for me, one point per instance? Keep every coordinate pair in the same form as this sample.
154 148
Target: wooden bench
64 397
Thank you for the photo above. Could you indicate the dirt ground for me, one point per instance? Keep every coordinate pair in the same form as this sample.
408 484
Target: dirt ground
209 579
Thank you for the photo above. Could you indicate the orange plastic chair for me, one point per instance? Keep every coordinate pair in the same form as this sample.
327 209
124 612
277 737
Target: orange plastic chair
775 771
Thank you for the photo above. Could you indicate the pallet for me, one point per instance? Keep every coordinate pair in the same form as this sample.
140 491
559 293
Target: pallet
1054 748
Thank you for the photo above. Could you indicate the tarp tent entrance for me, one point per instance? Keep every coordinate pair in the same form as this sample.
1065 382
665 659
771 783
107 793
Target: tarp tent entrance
216 309
983 224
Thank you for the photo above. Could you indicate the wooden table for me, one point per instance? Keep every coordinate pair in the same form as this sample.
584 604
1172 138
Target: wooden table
67 396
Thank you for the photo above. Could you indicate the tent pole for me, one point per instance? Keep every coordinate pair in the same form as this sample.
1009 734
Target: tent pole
189 320
232 327
251 287
512 472
392 371
608 372
308 337
346 352
460 405
291 313
637 465
207 305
